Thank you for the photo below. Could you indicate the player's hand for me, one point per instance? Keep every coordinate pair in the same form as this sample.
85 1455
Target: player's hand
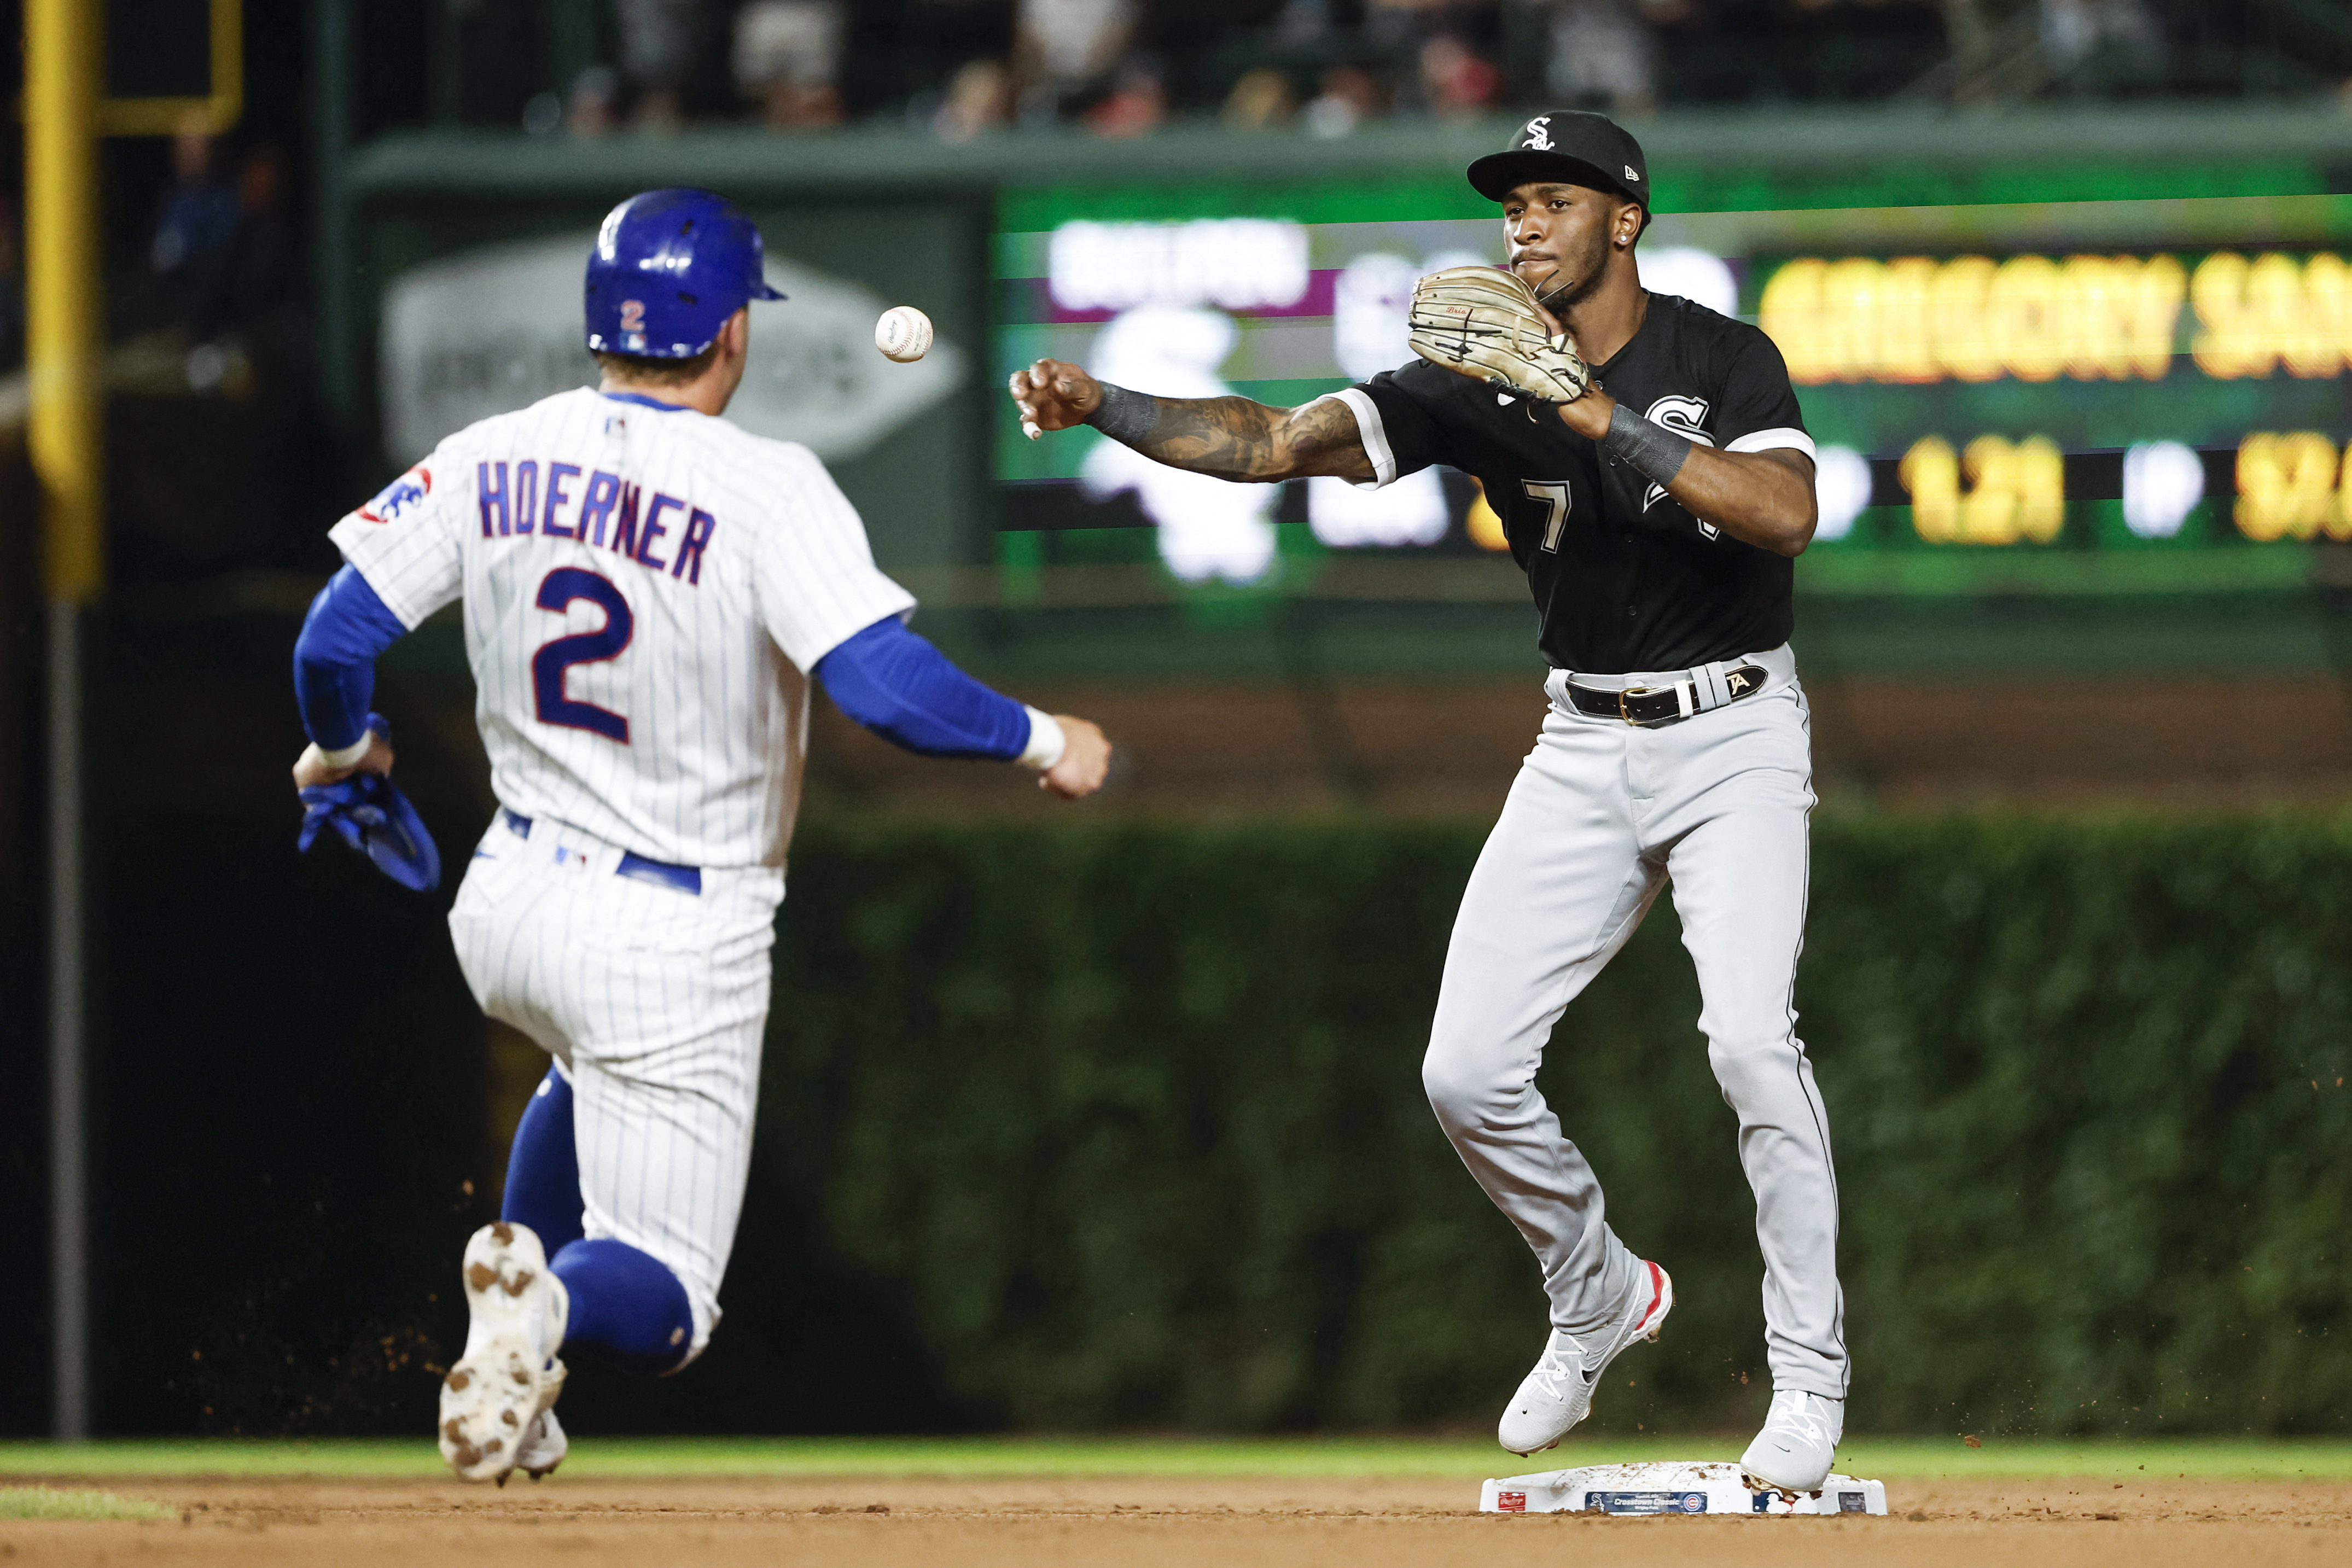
1589 415
1054 394
1085 758
311 769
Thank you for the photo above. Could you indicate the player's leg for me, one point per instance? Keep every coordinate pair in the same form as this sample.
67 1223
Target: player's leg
656 1000
535 1279
666 1005
543 1167
1739 867
543 1193
1559 887
497 1398
653 1002
624 1302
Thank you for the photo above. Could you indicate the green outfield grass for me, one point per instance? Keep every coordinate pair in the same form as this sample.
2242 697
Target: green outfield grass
48 1502
1914 1458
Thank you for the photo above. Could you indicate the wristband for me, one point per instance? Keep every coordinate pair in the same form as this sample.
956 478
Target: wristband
348 756
1048 741
1125 416
1653 449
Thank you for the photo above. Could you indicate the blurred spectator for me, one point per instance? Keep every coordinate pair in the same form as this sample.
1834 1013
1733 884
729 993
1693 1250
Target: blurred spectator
2024 49
1136 103
980 99
195 233
1350 96
2076 32
1303 24
788 58
1261 99
263 274
542 114
658 40
1389 23
940 34
1061 46
1394 27
1968 32
1456 82
595 105
1602 56
1333 63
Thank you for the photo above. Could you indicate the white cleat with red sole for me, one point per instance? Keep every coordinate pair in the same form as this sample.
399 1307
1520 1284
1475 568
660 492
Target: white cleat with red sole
1557 1393
493 1400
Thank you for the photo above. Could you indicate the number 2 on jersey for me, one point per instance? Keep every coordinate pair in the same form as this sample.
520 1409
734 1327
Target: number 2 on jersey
1553 494
555 659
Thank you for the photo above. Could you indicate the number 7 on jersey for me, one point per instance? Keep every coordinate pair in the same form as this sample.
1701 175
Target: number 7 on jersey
1554 495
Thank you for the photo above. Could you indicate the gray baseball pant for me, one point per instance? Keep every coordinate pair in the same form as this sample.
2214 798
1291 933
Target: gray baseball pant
1601 815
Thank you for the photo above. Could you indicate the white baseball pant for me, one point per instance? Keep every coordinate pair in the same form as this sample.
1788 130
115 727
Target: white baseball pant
1601 815
654 1001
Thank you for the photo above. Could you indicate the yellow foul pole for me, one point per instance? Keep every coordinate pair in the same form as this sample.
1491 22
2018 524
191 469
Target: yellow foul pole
61 287
61 55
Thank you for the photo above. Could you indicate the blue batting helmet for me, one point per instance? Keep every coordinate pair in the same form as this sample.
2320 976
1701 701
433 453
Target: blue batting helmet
668 268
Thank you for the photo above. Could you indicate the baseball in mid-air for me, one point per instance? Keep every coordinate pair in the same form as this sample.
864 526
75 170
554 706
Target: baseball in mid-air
903 334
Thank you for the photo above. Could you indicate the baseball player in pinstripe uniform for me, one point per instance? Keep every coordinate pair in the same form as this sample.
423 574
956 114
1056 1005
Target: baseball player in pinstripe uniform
647 592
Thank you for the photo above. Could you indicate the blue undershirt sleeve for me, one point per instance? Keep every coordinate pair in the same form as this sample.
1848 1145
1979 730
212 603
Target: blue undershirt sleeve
334 658
895 682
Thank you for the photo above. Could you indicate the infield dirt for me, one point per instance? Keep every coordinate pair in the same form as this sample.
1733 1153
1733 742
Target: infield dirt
927 1522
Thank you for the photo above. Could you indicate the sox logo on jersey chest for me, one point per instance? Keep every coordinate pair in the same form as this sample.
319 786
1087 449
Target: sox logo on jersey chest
1686 417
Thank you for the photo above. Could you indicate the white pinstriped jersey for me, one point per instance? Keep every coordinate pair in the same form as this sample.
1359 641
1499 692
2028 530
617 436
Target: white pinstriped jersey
646 588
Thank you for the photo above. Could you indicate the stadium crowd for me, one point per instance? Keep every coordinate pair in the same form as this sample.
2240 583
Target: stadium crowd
1122 68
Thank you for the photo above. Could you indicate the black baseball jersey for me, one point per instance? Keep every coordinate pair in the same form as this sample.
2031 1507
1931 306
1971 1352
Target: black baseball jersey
1624 579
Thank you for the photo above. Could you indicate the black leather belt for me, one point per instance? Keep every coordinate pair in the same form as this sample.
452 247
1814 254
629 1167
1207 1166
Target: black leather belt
1650 706
684 878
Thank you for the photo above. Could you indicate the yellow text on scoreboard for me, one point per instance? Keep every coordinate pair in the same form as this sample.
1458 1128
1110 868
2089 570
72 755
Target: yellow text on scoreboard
1915 319
1992 492
2294 486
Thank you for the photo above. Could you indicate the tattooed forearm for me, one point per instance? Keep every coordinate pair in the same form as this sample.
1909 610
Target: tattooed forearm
1230 437
1234 438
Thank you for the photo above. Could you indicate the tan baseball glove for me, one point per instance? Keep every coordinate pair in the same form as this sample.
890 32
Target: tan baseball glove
1482 323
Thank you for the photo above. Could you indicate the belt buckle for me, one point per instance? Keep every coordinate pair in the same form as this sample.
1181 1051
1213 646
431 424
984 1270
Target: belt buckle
1634 692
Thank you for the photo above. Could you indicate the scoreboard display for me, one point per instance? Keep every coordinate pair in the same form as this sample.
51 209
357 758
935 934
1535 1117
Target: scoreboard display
1991 391
2098 393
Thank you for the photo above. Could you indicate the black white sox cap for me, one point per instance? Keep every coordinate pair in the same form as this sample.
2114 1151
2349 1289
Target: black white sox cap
1570 147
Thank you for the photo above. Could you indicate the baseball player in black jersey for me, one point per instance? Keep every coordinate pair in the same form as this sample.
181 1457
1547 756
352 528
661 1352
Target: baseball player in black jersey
1651 470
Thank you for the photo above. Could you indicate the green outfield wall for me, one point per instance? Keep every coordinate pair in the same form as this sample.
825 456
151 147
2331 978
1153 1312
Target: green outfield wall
1121 1126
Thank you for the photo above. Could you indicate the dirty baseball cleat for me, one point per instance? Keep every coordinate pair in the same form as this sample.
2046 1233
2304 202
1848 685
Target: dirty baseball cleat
1798 1441
491 1401
544 1447
1558 1393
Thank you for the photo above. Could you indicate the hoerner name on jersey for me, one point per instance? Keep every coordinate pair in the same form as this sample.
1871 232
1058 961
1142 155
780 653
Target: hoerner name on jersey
607 507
